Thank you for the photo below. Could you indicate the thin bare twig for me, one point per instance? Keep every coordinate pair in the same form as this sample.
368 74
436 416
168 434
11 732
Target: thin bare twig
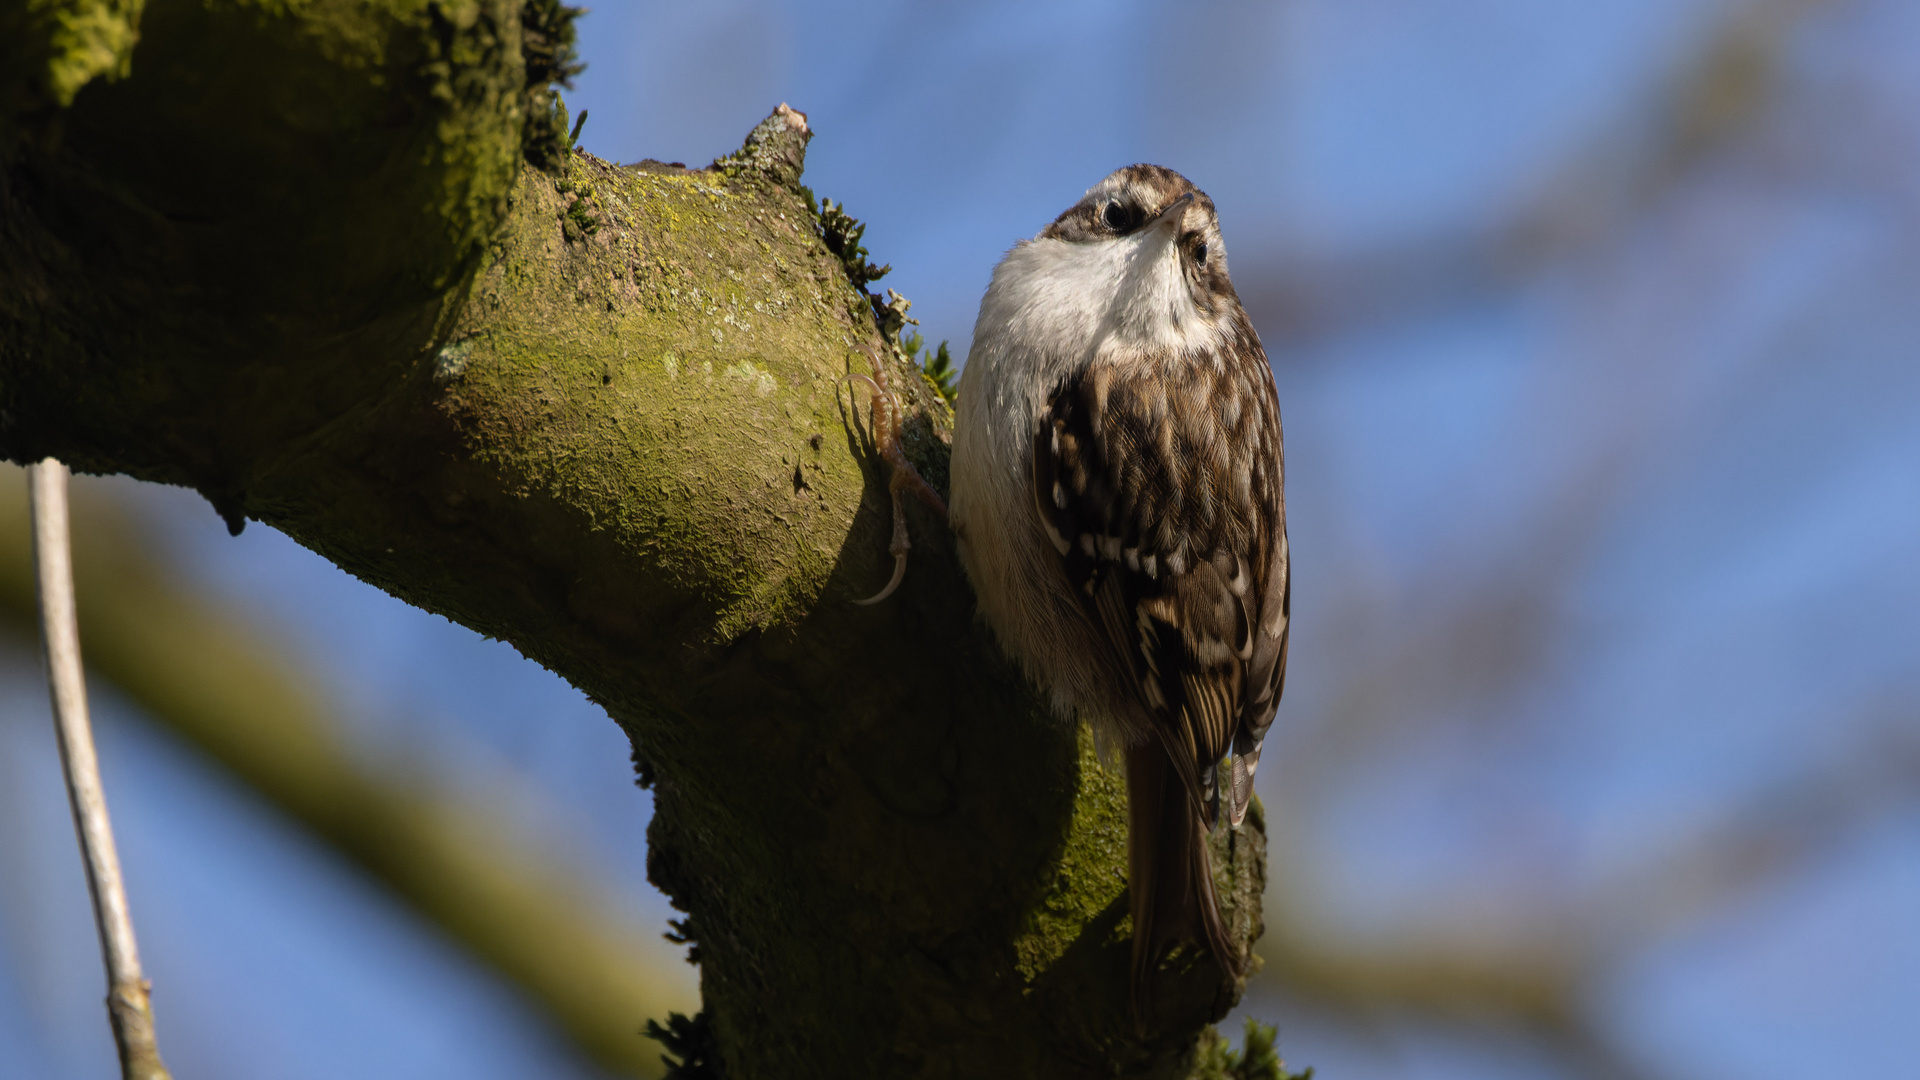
127 990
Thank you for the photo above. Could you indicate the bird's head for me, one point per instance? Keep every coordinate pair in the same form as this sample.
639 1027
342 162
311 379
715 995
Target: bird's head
1162 237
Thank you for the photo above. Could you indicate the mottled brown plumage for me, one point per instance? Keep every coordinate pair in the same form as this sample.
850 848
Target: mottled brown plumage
1118 491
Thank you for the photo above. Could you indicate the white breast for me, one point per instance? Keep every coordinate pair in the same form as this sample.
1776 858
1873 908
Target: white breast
1052 308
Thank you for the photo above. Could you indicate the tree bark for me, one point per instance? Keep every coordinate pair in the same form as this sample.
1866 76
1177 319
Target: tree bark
293 260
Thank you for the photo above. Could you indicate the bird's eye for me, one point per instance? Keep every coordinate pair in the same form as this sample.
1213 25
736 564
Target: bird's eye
1117 216
1200 253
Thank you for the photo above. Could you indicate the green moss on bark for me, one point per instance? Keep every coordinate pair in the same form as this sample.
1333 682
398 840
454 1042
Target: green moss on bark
598 412
1090 874
254 228
49 49
667 307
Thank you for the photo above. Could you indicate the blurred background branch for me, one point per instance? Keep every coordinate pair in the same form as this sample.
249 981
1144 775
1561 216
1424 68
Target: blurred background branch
211 677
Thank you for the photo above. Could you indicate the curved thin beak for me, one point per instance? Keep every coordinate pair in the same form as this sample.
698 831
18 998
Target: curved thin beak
1173 211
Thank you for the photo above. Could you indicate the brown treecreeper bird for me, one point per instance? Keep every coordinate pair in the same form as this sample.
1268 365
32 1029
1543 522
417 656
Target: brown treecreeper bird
1117 493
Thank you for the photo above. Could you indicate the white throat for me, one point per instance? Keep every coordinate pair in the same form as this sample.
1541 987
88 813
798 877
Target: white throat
1053 308
1074 300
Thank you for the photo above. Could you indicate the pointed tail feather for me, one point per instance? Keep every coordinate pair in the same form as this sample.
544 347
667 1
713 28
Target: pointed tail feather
1244 764
1170 875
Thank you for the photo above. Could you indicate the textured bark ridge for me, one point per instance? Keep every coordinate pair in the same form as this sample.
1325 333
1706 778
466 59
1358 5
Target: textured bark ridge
293 259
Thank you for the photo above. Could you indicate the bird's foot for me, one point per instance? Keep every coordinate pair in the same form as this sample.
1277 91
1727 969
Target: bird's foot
884 421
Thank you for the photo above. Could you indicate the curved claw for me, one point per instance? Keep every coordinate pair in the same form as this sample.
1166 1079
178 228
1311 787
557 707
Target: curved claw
857 377
884 422
898 547
899 575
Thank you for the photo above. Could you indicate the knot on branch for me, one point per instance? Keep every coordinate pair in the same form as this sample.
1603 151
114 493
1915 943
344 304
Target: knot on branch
775 148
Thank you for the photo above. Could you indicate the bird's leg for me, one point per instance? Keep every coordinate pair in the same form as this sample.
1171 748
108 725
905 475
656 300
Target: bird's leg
884 422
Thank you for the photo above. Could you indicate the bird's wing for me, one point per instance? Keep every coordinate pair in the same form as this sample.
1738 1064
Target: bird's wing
1160 487
1266 674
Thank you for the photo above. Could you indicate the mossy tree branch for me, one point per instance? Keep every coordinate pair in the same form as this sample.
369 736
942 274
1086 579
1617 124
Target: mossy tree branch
292 260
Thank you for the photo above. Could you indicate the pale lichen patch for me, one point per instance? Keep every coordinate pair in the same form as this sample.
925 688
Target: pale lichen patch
755 378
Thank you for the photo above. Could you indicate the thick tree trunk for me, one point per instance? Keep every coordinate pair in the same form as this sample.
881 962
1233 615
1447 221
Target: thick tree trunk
293 260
